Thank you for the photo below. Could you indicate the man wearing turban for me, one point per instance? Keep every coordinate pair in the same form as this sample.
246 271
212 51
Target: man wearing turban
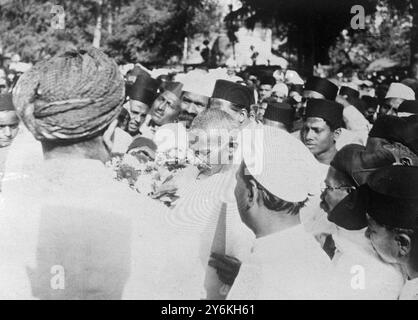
68 231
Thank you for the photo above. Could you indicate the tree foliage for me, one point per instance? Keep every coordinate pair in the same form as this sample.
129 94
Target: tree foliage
313 25
147 31
154 30
386 35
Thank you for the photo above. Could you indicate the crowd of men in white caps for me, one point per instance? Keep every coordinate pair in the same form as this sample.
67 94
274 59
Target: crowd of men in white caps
331 213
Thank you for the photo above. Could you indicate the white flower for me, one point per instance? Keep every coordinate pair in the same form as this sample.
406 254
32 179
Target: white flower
144 184
131 161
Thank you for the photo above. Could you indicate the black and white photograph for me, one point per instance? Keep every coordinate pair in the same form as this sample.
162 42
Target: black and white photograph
213 151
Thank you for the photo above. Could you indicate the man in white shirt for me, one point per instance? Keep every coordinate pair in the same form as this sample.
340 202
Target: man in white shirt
392 220
142 94
354 252
286 262
70 231
207 200
164 110
320 131
356 125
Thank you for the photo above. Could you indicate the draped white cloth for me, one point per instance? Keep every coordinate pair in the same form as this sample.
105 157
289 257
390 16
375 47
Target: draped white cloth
286 265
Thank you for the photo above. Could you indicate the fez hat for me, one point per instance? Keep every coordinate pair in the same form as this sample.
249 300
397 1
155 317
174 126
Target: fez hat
393 196
134 73
357 165
233 92
410 106
349 92
144 89
330 111
356 162
322 86
358 103
6 103
371 102
173 87
297 88
280 112
268 80
395 129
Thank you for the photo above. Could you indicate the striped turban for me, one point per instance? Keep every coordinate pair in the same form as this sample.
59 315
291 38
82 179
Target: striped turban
70 97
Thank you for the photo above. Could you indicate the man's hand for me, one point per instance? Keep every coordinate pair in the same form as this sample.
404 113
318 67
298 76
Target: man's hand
227 267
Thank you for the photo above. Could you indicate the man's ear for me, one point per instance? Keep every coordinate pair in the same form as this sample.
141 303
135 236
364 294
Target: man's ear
337 133
243 115
253 190
404 244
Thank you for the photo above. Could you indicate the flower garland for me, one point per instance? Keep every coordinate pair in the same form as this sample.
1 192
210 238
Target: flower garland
153 178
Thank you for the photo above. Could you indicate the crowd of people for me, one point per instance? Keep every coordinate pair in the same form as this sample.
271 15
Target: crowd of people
288 188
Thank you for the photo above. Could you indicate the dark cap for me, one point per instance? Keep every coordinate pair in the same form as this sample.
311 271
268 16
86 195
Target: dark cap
6 102
370 101
330 111
144 89
395 129
296 88
174 87
349 92
358 103
131 75
233 92
350 213
356 163
268 80
393 196
322 86
280 112
410 106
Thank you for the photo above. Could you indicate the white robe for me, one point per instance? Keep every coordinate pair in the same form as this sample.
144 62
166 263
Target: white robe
361 274
197 214
105 236
288 264
410 290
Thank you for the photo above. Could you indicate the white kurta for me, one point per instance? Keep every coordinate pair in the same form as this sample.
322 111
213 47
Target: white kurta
24 157
197 214
360 272
285 265
410 290
105 236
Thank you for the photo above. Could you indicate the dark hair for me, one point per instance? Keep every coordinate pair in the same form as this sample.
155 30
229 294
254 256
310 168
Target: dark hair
272 202
123 119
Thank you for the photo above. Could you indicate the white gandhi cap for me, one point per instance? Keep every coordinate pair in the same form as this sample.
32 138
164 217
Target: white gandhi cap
283 165
399 90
